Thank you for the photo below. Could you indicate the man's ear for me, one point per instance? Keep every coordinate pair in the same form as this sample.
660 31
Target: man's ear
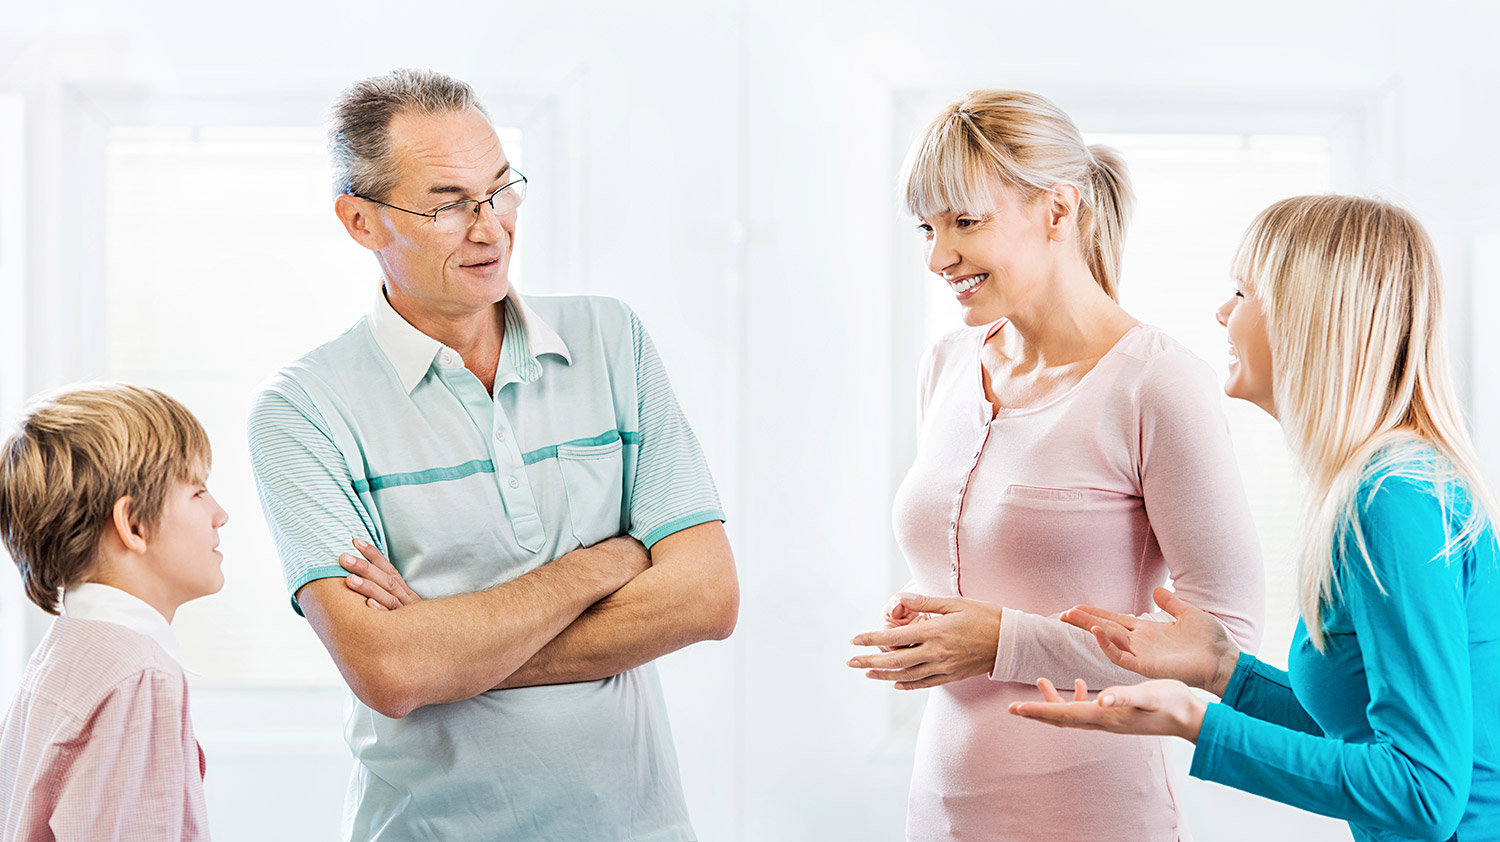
126 527
359 220
1062 210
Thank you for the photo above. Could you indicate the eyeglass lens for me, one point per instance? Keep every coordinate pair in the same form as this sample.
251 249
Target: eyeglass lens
459 217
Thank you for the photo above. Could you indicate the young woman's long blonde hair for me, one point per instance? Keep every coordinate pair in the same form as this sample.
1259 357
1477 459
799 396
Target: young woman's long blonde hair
1352 295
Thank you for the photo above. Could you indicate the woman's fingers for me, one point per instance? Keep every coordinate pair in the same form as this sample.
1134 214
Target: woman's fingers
1084 616
1049 692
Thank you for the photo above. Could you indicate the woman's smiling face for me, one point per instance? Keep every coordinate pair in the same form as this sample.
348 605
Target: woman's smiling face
1250 371
991 260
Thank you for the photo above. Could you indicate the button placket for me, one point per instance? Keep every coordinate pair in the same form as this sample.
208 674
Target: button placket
955 562
514 485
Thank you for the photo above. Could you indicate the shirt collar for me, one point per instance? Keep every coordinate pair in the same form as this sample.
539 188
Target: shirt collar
91 601
411 351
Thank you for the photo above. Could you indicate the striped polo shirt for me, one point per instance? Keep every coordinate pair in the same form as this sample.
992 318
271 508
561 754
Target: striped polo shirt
382 434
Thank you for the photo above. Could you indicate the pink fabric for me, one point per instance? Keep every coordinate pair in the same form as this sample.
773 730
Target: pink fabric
1038 510
98 744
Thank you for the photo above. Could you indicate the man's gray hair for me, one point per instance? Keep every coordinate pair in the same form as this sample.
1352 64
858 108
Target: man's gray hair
359 124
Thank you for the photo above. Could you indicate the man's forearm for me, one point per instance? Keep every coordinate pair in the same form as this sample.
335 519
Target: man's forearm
689 594
449 649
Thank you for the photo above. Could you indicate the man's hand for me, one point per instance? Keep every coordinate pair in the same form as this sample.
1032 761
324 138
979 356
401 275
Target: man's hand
1194 648
957 640
373 577
376 579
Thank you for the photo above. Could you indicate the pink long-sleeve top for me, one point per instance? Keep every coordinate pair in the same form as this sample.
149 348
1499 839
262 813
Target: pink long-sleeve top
98 745
1096 496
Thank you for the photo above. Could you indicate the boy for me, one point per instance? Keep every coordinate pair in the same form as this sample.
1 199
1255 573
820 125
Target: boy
104 510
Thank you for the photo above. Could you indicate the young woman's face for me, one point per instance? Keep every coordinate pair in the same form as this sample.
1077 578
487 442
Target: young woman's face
1250 376
991 261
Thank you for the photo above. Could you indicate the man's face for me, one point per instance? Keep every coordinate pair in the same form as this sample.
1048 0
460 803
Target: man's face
442 159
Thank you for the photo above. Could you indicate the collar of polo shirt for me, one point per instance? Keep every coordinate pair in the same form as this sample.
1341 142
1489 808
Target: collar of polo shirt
411 351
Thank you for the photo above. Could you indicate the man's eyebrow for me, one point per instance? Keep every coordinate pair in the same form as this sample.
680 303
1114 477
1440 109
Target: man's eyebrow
446 189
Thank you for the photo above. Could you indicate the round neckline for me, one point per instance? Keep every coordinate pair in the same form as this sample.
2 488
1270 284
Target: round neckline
996 413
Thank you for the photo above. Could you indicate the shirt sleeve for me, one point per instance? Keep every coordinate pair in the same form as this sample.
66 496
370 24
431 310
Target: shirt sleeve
1260 690
1412 774
672 488
306 489
128 773
1199 515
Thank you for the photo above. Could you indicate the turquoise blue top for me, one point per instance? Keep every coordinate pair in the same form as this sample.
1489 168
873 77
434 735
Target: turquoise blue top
1395 727
383 434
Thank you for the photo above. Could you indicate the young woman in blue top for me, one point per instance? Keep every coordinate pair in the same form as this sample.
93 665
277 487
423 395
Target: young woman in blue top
1390 714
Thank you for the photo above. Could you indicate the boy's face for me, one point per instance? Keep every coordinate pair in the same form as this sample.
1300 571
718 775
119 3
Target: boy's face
184 547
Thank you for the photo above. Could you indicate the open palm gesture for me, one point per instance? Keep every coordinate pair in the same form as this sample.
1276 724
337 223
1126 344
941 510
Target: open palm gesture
1193 648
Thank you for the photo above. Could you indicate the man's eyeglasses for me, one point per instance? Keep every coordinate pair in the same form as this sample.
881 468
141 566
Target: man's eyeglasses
459 216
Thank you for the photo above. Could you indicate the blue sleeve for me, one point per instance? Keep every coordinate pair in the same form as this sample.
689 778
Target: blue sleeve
1264 692
1412 776
306 489
672 488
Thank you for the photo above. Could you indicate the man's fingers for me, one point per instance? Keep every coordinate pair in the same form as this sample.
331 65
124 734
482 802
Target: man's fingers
1080 690
368 589
388 574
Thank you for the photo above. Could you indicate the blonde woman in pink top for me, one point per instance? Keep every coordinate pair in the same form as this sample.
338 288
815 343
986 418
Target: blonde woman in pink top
1068 453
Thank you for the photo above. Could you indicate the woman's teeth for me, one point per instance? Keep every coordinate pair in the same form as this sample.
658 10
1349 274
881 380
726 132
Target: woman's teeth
966 284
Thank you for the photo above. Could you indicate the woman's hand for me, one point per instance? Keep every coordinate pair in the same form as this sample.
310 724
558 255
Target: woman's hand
1194 648
956 639
895 615
376 579
1163 708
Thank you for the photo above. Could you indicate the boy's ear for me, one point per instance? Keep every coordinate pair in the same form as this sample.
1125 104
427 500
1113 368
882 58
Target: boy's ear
122 519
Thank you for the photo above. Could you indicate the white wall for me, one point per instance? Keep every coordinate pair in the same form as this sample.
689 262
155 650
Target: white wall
765 261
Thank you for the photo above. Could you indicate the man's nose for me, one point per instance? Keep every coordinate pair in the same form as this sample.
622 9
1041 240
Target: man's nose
487 224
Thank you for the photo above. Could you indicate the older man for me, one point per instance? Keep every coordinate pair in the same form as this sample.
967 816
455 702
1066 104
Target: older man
526 468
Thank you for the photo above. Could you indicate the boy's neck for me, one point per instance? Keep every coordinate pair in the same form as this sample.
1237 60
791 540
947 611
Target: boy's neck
122 572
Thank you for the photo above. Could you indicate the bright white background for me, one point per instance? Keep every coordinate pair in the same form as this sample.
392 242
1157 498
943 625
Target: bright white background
728 169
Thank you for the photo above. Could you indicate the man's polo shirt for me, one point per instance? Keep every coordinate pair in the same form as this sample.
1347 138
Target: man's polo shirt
382 434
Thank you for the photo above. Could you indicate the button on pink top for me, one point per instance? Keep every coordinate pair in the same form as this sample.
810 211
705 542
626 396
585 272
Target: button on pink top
1094 497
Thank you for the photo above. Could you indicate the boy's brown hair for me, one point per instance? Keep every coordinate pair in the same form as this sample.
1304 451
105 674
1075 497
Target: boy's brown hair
75 453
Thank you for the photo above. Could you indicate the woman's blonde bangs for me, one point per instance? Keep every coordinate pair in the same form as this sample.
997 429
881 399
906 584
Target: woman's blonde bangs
946 170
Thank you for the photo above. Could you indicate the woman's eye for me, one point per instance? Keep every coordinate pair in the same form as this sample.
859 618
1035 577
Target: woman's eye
966 222
1238 294
924 228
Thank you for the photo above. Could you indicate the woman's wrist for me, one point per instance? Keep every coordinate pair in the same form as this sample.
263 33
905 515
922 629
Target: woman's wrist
1228 661
1192 721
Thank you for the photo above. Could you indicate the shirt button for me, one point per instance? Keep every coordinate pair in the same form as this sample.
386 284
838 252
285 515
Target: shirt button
514 483
447 358
499 435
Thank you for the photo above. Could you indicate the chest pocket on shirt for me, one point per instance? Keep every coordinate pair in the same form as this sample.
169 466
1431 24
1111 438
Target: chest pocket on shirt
594 477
